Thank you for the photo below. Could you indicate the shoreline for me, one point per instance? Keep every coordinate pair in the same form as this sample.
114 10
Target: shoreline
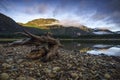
70 65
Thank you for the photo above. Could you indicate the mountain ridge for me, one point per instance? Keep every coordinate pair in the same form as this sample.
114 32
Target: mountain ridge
8 25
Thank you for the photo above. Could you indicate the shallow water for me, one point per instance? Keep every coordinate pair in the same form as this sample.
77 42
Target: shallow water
107 49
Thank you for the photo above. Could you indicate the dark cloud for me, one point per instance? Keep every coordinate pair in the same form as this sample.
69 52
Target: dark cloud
109 9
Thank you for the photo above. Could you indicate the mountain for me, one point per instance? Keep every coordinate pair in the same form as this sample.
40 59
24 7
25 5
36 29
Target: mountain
8 25
118 32
40 23
40 26
101 31
49 23
68 31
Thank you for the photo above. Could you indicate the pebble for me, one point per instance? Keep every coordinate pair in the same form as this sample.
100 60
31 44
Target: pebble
47 70
30 78
69 66
5 65
21 78
20 60
52 75
25 78
56 69
74 75
4 76
107 75
21 65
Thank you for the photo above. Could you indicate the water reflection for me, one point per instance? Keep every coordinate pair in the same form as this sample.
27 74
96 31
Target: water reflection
93 48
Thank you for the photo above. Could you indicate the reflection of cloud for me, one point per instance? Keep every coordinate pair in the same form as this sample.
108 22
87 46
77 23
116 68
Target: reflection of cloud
111 51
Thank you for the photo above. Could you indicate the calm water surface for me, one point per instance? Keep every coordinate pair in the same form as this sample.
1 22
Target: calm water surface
107 49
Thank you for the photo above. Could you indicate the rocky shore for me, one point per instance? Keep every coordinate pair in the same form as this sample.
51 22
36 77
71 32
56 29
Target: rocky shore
71 65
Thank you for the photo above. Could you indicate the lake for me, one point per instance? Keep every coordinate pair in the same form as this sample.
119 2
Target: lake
107 49
111 48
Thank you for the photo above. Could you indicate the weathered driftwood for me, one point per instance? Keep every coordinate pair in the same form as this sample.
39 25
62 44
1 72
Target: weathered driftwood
37 53
47 52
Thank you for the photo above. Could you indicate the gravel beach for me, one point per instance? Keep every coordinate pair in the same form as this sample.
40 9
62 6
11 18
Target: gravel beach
71 65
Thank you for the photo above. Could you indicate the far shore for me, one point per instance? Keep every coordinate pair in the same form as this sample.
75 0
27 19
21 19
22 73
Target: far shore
106 41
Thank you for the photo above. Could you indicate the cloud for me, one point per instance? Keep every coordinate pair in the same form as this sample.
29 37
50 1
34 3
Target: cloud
68 22
93 13
3 5
37 9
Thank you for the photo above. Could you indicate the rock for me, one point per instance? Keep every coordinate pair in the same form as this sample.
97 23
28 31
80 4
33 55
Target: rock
20 60
47 70
52 75
21 65
69 65
74 75
5 65
10 60
56 69
32 69
31 78
4 76
107 75
38 74
21 78
25 78
40 65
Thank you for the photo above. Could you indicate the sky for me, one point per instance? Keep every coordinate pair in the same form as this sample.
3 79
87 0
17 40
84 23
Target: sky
91 13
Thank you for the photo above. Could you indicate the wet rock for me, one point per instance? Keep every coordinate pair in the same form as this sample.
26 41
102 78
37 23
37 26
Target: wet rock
4 76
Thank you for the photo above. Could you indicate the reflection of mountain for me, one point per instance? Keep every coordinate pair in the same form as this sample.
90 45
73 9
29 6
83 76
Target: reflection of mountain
92 48
77 46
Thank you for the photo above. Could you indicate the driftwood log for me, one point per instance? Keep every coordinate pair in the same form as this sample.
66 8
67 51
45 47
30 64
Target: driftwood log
47 53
